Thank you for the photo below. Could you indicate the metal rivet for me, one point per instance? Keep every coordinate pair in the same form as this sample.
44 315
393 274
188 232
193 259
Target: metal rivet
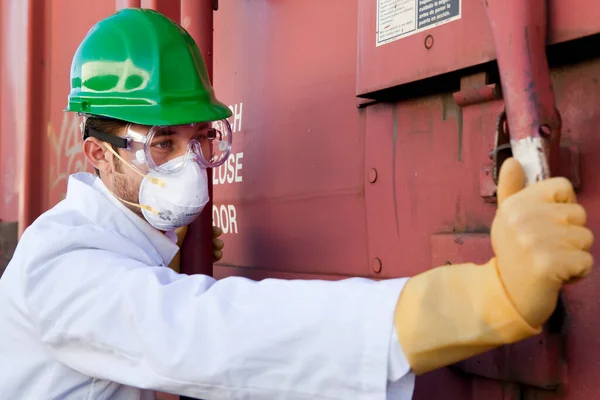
429 42
376 265
372 175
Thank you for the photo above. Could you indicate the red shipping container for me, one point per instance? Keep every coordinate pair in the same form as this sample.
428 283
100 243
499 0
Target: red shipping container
362 136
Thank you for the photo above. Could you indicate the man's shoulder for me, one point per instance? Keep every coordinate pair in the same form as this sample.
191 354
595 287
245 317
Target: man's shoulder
73 219
65 228
85 221
60 218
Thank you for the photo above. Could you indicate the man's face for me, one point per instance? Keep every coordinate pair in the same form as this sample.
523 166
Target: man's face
165 144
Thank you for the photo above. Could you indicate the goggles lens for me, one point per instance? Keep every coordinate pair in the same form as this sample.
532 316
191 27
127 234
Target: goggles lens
167 149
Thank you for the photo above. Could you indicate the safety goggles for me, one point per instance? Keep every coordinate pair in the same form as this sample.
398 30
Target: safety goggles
166 149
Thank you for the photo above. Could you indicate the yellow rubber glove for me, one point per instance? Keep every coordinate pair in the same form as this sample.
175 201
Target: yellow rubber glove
218 244
454 312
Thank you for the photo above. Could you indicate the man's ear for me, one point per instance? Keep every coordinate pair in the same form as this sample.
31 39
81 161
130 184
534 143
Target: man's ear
97 154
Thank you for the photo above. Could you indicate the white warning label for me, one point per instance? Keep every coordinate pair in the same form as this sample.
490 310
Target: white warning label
397 19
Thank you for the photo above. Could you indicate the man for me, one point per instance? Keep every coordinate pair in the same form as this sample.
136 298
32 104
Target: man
89 311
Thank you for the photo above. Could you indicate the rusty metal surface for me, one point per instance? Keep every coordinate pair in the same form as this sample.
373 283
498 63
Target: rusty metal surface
35 112
431 156
170 8
127 4
413 167
317 187
576 90
568 167
291 198
457 44
39 143
8 243
12 76
61 137
488 389
535 362
197 18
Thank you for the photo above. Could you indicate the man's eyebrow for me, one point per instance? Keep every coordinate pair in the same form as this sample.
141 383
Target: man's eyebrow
165 132
168 131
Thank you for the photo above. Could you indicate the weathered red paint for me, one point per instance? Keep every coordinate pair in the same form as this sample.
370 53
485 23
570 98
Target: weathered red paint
13 30
170 8
196 253
568 166
300 205
300 188
457 45
127 4
68 23
424 207
31 202
534 362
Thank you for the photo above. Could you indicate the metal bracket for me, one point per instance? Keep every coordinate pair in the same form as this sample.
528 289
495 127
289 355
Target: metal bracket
568 167
502 147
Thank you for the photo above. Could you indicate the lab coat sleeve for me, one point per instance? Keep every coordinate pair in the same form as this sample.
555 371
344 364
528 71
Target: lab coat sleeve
401 379
111 317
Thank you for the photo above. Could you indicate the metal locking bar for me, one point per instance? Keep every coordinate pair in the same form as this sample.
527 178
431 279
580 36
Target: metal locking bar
534 126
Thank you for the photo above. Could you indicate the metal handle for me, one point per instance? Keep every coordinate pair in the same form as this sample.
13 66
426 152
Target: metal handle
519 32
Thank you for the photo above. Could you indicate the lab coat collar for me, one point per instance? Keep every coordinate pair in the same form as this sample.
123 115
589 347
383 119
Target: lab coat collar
107 211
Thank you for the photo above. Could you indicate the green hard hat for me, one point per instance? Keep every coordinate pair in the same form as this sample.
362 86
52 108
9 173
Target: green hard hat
139 66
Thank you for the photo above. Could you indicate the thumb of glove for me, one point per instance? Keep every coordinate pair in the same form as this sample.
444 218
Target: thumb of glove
511 179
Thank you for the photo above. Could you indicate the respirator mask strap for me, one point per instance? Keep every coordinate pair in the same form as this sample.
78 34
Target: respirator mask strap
152 179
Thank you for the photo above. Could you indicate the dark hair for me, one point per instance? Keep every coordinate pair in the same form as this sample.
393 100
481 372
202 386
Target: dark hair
110 126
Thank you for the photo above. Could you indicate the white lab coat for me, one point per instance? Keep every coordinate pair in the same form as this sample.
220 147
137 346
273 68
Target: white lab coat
88 310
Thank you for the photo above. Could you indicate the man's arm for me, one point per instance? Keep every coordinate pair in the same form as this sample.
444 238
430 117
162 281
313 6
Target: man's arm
540 242
113 318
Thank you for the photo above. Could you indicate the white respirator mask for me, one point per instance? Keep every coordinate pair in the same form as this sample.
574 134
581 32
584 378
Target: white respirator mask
178 200
170 200
174 189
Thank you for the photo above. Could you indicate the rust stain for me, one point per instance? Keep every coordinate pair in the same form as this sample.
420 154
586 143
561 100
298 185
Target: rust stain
450 109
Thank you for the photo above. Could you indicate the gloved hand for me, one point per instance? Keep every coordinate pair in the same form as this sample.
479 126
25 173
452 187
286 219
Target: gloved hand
539 240
451 313
218 244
